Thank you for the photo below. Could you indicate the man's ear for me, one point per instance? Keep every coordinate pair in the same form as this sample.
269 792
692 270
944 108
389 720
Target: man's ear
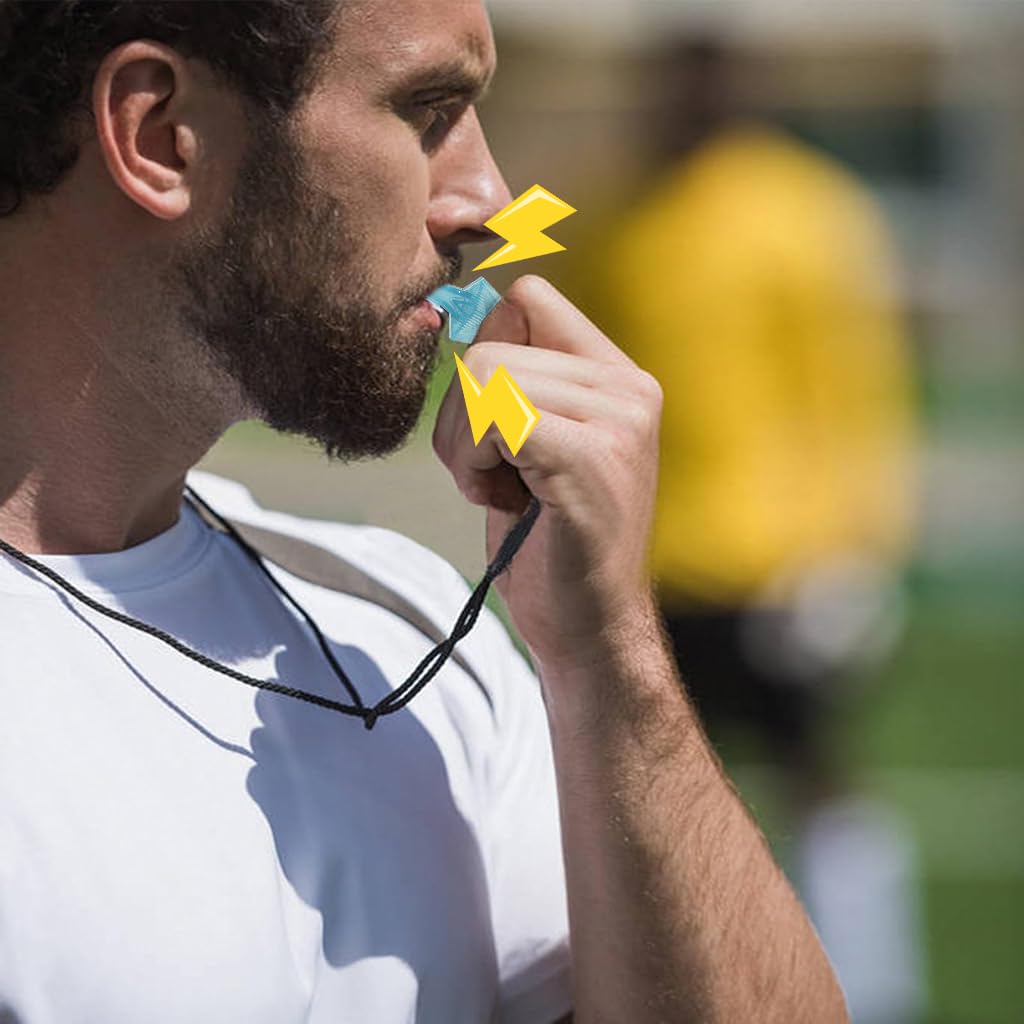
141 98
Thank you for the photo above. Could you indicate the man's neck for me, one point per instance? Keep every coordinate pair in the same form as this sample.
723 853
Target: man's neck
103 520
105 400
88 467
95 443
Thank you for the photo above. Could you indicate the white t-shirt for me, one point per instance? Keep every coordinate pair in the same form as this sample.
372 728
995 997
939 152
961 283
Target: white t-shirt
178 847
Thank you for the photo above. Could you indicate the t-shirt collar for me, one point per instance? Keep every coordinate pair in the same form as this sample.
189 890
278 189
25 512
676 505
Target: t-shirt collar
140 567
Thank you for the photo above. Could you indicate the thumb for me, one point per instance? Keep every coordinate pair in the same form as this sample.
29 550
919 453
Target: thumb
506 322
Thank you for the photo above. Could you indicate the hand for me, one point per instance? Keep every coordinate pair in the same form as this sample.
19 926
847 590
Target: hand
580 580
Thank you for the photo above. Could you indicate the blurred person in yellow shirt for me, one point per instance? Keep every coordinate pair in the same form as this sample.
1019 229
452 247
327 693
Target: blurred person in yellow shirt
756 281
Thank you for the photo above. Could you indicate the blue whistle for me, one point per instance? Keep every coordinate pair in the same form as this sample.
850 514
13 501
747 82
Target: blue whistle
467 308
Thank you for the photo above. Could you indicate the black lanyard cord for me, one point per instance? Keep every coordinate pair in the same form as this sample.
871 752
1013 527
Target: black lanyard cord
394 701
230 530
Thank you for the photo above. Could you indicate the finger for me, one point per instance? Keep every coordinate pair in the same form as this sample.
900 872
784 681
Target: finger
553 397
483 357
506 322
534 312
555 382
486 470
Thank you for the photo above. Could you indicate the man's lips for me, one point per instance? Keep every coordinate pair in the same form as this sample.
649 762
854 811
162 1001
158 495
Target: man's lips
426 311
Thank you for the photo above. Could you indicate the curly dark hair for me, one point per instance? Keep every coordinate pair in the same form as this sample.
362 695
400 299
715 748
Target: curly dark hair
270 50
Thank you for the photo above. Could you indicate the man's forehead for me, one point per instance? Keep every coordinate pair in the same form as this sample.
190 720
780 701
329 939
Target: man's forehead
400 40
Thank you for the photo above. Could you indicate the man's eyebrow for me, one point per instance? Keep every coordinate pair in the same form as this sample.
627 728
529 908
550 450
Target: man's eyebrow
451 78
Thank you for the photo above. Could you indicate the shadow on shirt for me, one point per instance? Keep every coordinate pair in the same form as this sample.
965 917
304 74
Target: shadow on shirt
367 832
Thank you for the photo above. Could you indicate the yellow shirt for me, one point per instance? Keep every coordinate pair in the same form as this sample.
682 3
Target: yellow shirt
756 283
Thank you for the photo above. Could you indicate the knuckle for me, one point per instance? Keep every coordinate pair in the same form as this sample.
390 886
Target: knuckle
651 389
527 286
481 362
638 418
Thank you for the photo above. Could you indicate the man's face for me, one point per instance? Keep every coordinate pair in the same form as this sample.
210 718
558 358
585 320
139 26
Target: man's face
310 291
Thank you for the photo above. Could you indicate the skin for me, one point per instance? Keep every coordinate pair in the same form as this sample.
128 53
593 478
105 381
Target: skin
108 396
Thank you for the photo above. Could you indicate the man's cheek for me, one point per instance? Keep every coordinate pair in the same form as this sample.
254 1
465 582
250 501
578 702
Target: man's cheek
402 212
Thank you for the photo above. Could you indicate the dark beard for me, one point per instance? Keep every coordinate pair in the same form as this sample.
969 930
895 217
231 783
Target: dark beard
277 297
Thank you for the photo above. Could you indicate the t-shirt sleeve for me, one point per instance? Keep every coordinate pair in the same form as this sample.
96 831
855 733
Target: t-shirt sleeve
523 849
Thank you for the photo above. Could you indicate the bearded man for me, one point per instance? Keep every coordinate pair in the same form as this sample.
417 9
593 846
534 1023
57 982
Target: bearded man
222 211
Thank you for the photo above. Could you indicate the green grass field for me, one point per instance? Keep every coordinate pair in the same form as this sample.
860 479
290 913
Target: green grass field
941 738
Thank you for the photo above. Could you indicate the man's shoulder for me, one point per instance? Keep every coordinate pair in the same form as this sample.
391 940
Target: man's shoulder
398 561
411 570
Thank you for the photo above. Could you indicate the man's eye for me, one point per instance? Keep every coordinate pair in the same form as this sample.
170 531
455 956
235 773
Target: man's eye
434 119
437 114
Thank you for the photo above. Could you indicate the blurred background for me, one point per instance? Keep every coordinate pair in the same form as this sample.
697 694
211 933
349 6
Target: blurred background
807 219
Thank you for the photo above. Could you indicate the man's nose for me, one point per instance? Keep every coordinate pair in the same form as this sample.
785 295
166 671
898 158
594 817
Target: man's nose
467 188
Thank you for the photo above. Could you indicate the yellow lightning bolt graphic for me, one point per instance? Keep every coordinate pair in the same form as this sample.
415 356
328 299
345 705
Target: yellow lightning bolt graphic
522 223
501 402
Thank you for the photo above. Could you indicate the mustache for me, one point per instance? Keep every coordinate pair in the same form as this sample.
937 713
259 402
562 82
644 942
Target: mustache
447 273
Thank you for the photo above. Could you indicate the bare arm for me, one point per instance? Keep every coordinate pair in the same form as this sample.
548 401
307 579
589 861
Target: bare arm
677 910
